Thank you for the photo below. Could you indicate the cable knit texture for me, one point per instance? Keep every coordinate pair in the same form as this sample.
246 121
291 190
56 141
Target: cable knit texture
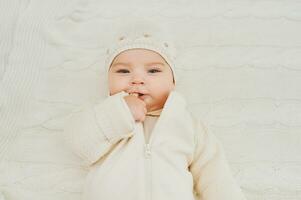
240 72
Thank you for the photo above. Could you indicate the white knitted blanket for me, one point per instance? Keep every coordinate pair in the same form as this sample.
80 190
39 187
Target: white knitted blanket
240 67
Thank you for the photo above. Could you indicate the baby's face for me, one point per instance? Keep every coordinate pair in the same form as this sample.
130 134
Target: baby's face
143 72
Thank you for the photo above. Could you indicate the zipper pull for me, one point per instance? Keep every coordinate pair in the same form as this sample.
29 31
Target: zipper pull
147 152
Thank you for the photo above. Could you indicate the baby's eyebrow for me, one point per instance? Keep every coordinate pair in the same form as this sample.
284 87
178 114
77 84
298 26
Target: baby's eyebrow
121 63
129 64
155 63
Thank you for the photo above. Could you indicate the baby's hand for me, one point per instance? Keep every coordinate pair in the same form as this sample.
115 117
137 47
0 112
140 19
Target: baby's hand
137 107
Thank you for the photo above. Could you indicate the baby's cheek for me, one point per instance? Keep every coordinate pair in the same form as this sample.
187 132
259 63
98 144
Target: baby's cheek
114 89
117 85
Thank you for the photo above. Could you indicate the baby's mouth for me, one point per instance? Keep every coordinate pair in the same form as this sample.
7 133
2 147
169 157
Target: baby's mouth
138 95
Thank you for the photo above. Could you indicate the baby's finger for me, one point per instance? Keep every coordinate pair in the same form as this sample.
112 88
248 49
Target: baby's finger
142 118
146 101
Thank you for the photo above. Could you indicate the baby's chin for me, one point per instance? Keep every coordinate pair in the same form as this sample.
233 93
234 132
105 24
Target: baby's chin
150 107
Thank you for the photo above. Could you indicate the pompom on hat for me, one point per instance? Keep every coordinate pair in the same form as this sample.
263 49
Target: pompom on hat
142 35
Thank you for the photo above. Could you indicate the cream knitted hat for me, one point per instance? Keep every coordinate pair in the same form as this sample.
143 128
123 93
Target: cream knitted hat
142 35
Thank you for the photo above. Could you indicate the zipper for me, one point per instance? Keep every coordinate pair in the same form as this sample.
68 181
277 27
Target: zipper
147 151
148 155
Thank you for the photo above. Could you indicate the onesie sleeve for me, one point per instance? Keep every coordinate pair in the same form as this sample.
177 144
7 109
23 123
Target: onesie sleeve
211 173
92 130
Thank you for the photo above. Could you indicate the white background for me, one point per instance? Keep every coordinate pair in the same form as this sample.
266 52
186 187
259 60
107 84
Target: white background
240 72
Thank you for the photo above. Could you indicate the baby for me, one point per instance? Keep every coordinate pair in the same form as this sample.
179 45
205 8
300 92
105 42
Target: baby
141 142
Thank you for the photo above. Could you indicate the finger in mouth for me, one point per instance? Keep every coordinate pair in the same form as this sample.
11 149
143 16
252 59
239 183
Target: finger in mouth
134 94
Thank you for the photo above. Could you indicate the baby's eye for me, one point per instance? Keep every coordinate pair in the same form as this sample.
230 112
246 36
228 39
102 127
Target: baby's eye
154 70
122 71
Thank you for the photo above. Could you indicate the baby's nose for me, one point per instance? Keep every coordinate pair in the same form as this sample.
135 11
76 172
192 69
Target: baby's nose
137 79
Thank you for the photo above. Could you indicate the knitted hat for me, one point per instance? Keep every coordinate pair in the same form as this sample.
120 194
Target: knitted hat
142 35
